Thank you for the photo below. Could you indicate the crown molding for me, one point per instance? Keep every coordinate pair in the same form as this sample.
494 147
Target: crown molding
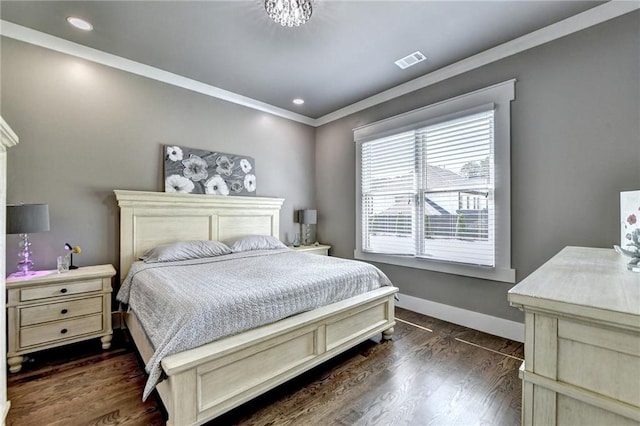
581 21
38 38
8 138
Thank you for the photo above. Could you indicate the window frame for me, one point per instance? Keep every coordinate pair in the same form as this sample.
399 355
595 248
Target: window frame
500 95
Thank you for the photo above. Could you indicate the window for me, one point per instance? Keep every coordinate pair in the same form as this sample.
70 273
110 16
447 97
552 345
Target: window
434 187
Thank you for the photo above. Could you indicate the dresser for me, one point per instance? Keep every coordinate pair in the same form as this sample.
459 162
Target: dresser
50 309
582 340
319 249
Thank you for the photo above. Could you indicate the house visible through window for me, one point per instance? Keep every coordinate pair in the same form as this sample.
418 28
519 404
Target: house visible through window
432 189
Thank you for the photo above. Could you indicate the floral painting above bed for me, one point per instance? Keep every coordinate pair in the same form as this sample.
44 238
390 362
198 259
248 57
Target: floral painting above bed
197 171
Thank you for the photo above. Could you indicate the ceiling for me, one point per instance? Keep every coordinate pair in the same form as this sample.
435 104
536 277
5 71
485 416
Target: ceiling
344 54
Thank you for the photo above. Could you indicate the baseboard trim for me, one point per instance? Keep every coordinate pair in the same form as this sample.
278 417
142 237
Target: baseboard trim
486 323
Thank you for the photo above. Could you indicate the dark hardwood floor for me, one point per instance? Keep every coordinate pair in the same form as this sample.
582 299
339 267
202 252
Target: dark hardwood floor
432 373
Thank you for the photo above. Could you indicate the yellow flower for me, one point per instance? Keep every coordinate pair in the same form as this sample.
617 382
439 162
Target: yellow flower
77 250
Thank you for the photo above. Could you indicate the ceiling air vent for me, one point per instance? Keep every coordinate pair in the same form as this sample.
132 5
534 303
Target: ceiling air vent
410 60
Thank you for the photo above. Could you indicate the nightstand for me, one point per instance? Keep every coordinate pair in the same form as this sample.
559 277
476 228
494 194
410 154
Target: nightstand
50 309
319 249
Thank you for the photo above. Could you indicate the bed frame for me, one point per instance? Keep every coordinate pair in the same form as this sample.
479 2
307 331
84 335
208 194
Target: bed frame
205 382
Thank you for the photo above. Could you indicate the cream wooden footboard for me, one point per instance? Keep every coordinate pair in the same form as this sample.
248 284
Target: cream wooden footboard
206 381
209 380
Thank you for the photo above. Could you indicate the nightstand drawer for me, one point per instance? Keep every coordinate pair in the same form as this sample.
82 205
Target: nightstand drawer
31 336
58 311
58 290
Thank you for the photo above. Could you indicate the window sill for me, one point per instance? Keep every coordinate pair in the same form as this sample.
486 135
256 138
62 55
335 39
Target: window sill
497 274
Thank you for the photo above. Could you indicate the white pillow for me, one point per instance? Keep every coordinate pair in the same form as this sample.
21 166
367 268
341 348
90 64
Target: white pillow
255 242
185 250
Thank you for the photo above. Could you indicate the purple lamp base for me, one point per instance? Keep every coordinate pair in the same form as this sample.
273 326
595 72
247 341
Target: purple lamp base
25 264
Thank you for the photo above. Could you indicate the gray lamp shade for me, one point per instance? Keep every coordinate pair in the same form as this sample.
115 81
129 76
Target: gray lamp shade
27 218
309 217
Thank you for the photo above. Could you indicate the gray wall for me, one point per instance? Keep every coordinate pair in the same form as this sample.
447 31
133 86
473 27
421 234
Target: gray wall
575 145
86 129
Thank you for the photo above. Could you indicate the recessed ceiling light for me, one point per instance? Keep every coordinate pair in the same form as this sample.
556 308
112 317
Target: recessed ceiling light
298 101
79 23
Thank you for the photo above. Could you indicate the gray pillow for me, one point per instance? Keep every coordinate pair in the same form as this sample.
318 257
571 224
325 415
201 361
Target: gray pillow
185 250
255 242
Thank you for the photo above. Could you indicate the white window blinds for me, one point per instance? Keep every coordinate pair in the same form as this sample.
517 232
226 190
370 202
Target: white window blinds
429 192
458 190
388 194
441 199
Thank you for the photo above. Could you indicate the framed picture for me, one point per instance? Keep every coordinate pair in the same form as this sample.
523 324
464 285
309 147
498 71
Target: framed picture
197 171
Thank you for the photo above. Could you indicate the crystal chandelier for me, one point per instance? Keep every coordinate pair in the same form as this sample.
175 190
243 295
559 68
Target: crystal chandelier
289 13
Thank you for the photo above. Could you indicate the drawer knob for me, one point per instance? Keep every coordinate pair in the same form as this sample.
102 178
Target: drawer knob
63 331
64 290
64 311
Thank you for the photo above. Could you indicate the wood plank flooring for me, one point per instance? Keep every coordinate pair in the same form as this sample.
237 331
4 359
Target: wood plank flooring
432 373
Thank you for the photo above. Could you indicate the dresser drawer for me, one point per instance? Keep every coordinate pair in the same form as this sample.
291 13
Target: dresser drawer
62 310
62 289
616 353
37 335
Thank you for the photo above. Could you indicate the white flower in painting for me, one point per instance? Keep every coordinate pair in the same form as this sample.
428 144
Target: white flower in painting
216 186
250 183
245 165
195 168
225 165
177 183
236 186
174 153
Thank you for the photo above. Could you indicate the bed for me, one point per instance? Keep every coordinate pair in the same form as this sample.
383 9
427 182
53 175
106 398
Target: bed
204 382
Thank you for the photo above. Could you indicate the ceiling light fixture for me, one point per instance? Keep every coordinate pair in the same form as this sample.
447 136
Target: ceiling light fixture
289 13
79 23
298 101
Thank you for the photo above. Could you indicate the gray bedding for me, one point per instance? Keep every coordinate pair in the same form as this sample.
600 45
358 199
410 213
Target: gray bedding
182 305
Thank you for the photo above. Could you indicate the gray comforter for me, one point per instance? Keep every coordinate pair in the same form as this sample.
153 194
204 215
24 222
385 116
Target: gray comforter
182 305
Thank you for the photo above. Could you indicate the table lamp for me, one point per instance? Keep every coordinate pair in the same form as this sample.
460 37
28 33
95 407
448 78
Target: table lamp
25 219
307 218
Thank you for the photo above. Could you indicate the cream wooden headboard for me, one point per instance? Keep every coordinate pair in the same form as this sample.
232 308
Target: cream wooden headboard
148 219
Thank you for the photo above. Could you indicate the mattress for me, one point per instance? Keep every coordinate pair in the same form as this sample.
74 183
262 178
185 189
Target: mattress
185 304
